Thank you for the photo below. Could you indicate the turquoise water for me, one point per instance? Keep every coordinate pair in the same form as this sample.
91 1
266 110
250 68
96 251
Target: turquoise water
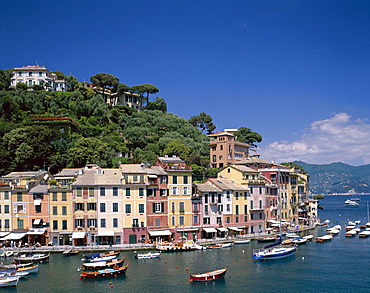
341 265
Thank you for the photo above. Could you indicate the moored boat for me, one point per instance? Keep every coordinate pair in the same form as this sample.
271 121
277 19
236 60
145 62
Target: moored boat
208 276
97 257
9 281
364 234
147 255
111 272
324 238
308 237
32 257
299 240
242 241
33 269
70 252
103 264
266 239
351 233
13 274
176 246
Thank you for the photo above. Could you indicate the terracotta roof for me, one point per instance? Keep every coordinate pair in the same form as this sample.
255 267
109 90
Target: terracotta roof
226 184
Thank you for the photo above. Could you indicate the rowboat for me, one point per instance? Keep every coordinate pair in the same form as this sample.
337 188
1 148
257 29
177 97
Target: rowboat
225 245
113 272
244 241
70 252
147 255
32 257
103 264
9 281
30 269
209 276
13 274
266 239
97 257
324 238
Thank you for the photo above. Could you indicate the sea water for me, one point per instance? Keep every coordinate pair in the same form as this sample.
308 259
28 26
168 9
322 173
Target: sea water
341 265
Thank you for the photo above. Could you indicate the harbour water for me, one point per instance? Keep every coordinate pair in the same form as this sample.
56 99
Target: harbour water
341 265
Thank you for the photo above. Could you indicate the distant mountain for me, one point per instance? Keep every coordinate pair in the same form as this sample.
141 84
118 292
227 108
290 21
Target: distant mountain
337 178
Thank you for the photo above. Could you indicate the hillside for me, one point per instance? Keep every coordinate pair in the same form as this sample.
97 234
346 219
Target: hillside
337 178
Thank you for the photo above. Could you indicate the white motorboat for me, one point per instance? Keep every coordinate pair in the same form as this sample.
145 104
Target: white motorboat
292 235
9 281
147 255
351 203
351 233
364 234
332 231
14 274
308 237
299 240
324 238
242 241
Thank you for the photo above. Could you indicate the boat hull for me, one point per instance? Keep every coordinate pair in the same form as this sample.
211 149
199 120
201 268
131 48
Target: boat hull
105 273
9 282
274 253
26 259
209 276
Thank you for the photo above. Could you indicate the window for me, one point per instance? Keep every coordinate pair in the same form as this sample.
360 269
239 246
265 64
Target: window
79 206
174 190
128 192
55 225
163 179
30 73
55 211
219 220
38 208
260 190
185 179
102 207
6 223
91 191
55 196
40 73
141 208
135 223
182 206
195 207
261 216
236 195
157 221
245 195
206 221
115 191
228 194
128 208
20 224
102 191
185 190
6 209
206 198
237 210
115 207
228 207
115 222
158 207
220 208
19 196
79 191
181 218
219 198
236 219
64 196
91 223
251 190
91 206
195 220
206 208
228 220
163 192
134 178
6 194
19 73
64 225
251 205
103 223
141 191
173 221
64 210
173 207
245 209
38 196
174 179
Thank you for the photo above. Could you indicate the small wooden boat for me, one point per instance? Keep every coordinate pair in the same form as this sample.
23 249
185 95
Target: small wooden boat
70 252
113 272
308 237
9 281
9 253
30 269
212 246
244 241
266 239
324 238
287 241
13 274
103 264
225 245
147 255
32 257
209 276
97 257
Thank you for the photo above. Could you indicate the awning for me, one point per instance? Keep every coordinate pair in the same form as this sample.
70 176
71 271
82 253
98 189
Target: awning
78 235
37 221
14 236
222 229
2 234
187 230
235 229
36 231
37 202
160 233
105 233
210 230
152 176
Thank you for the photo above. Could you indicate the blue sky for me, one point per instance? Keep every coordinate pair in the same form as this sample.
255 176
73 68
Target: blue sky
297 72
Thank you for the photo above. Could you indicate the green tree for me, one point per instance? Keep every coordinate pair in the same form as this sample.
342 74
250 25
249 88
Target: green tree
246 135
60 75
177 148
145 88
203 122
159 104
5 78
103 80
71 82
294 165
21 86
9 108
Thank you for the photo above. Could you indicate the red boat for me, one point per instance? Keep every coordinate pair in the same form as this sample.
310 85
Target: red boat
209 276
113 272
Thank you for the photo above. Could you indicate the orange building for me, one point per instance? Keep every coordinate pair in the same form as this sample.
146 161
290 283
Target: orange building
225 150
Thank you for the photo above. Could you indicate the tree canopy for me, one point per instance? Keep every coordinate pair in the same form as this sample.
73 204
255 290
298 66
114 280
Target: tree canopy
246 135
203 122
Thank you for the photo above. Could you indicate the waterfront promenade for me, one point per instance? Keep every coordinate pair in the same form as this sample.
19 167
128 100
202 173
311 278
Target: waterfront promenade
145 246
